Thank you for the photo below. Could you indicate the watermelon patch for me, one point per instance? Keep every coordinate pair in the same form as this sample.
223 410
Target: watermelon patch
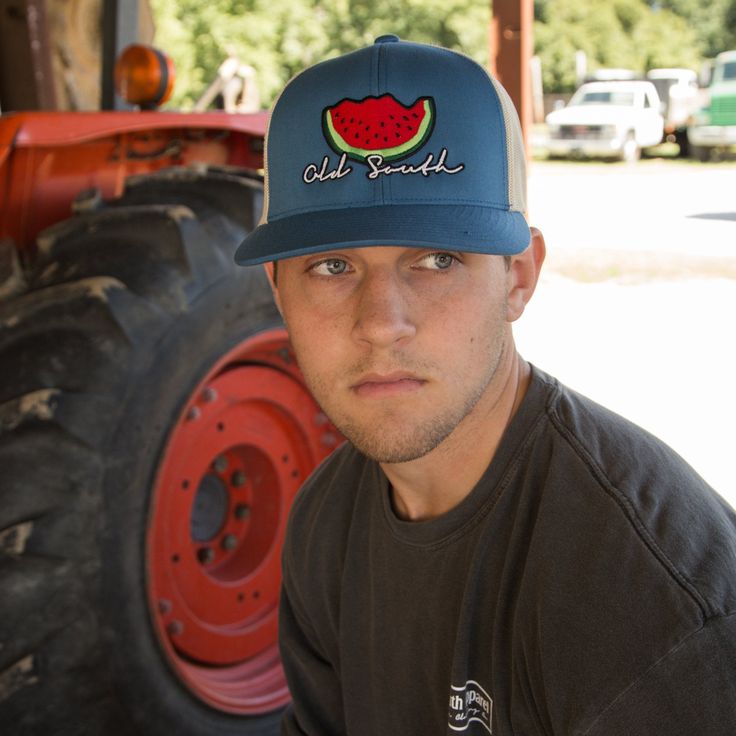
378 126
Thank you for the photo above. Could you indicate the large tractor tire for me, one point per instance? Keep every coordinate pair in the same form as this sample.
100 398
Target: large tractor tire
153 432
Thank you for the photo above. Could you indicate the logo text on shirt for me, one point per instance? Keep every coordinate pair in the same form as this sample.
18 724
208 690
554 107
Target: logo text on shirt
469 703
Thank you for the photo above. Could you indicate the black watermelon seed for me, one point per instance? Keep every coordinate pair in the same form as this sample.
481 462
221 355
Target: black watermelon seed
392 117
404 116
352 120
398 136
385 139
414 115
357 136
383 125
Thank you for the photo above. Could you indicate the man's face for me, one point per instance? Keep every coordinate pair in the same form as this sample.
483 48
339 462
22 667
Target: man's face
398 345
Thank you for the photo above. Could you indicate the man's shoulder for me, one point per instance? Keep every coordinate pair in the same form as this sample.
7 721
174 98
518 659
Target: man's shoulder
616 451
620 474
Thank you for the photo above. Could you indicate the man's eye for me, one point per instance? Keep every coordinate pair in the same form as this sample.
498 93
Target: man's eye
437 261
330 267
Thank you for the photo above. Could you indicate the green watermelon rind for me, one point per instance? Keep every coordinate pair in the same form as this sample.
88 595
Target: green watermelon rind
391 153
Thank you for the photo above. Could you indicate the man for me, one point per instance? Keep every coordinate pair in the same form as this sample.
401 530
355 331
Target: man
490 552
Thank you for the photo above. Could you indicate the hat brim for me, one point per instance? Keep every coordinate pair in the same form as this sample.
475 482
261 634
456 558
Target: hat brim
458 227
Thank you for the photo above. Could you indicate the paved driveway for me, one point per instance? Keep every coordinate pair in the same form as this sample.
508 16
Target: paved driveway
637 308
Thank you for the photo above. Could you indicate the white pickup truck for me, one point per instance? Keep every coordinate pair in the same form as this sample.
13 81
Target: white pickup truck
607 119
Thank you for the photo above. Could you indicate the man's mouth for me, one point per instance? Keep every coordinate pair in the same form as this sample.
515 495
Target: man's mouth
377 385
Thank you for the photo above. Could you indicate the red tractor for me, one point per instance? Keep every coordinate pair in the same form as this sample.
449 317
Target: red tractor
154 426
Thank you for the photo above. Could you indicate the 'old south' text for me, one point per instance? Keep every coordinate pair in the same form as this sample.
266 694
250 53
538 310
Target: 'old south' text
377 167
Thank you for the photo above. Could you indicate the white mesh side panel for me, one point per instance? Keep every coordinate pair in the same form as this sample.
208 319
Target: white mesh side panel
264 211
515 154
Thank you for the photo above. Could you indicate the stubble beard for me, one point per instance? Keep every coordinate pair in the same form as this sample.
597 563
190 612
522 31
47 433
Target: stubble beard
404 444
398 439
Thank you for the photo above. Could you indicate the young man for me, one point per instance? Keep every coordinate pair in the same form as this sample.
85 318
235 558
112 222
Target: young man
490 552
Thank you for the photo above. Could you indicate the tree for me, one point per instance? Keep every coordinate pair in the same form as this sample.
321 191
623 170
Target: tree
713 20
281 37
626 34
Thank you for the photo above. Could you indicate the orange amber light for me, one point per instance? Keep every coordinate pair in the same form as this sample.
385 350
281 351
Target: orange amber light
144 76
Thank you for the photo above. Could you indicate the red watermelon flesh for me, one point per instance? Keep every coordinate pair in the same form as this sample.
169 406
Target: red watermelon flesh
378 125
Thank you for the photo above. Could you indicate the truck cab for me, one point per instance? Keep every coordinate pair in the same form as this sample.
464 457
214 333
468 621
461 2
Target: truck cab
713 127
614 119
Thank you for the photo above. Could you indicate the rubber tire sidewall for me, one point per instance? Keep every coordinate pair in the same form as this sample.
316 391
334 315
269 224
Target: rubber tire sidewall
149 689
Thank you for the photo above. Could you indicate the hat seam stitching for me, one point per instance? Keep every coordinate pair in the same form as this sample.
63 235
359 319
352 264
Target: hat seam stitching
384 182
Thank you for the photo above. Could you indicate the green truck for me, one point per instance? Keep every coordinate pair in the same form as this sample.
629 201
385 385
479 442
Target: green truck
713 127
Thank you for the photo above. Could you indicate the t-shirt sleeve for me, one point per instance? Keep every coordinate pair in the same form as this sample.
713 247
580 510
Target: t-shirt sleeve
316 708
691 691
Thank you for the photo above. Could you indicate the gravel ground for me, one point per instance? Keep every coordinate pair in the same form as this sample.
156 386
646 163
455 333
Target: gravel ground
637 304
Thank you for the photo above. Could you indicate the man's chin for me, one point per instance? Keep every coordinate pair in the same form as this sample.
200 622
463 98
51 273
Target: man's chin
401 446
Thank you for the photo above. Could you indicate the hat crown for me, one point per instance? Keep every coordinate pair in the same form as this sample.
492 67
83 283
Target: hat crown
395 124
467 146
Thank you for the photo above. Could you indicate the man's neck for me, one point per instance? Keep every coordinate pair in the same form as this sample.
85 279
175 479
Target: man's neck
437 482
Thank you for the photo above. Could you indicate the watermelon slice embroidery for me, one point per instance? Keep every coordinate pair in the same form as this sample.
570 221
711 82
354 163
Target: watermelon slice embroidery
378 126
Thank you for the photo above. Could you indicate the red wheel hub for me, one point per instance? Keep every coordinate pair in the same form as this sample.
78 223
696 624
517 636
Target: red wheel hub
244 443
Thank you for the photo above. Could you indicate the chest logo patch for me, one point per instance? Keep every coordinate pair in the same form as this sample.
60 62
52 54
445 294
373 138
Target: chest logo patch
469 704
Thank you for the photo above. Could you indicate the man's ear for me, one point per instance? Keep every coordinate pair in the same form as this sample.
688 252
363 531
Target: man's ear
269 268
523 275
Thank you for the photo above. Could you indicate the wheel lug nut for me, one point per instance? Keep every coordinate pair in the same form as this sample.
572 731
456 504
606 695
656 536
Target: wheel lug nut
205 555
193 414
242 511
175 627
220 464
238 479
209 394
164 606
229 542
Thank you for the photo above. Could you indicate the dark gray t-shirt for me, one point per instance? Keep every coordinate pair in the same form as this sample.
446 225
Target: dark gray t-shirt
587 585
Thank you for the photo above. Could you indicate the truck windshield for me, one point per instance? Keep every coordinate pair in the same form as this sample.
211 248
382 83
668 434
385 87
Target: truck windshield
603 98
728 71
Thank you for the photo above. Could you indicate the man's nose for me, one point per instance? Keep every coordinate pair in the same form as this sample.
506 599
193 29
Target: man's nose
382 307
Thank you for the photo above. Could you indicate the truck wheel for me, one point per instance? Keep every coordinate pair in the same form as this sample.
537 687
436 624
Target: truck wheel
701 153
683 143
630 152
154 429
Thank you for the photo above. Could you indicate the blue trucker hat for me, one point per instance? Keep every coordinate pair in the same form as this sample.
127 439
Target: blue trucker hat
397 143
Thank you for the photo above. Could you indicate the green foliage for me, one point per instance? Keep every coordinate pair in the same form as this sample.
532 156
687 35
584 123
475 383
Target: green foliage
281 37
626 34
714 20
